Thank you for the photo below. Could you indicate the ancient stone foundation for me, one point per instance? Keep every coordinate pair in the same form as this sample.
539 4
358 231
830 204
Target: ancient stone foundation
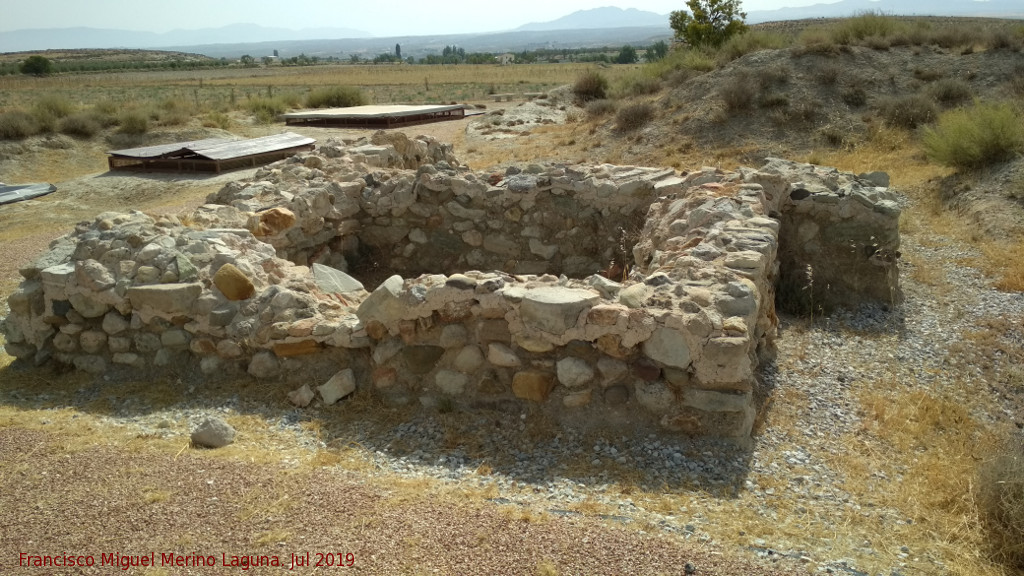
598 293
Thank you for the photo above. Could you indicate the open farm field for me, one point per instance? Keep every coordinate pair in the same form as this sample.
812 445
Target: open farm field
220 88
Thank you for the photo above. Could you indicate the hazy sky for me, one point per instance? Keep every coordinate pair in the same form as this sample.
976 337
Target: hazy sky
378 17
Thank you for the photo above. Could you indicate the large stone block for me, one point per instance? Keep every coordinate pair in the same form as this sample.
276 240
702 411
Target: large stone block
165 299
669 347
555 309
533 386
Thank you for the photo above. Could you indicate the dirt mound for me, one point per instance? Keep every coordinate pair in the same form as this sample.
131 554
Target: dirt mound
790 102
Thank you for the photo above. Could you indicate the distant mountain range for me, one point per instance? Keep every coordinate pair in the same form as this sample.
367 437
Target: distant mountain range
607 17
607 26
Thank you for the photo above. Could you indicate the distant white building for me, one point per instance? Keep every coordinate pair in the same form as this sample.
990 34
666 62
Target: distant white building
505 59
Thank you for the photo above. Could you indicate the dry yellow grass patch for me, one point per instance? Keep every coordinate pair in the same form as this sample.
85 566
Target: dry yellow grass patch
917 454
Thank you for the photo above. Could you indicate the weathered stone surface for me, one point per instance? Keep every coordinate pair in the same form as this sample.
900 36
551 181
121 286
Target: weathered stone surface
384 304
333 281
339 386
533 386
717 401
501 355
634 296
555 310
167 299
469 359
453 336
302 396
616 395
213 433
655 396
274 221
574 372
450 382
300 348
577 399
233 283
264 365
114 323
668 347
88 306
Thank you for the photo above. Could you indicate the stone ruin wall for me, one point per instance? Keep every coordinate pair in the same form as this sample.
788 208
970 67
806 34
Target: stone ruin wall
255 281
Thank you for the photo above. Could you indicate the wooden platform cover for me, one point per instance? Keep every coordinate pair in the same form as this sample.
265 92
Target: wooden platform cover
210 155
389 116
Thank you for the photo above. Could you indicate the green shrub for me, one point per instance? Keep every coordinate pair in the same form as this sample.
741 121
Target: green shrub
82 124
951 92
599 108
908 111
336 97
590 86
634 116
974 137
1000 499
17 124
133 122
751 41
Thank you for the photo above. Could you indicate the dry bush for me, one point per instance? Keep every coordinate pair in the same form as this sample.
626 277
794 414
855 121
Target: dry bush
638 85
1003 39
17 124
677 78
854 97
951 92
751 41
172 112
877 43
773 100
336 97
217 120
773 76
827 74
589 86
1000 500
908 111
133 122
81 124
600 108
634 116
736 94
925 75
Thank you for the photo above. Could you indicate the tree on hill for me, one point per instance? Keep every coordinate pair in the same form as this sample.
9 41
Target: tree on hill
36 66
709 22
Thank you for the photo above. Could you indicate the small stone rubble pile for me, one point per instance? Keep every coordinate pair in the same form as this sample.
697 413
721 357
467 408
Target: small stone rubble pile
256 281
